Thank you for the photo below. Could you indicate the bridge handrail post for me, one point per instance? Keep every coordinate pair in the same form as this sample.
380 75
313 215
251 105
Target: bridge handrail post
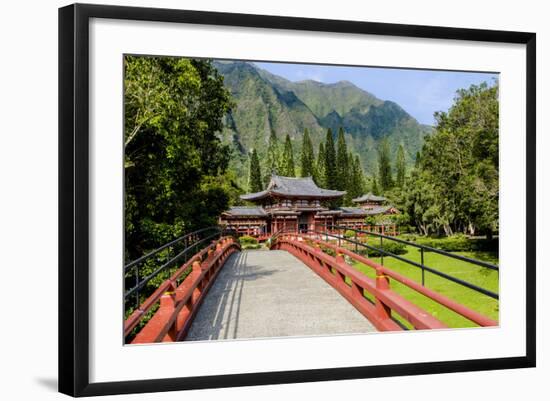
382 284
339 255
422 264
381 251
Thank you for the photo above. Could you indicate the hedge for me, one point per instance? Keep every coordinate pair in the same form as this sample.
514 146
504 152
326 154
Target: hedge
396 248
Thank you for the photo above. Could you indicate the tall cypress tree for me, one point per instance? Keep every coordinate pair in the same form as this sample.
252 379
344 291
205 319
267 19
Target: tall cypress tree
374 187
342 163
255 173
417 160
320 166
400 167
384 166
272 157
356 180
287 161
307 159
331 175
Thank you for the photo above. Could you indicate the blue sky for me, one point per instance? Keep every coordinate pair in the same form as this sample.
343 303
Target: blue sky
419 92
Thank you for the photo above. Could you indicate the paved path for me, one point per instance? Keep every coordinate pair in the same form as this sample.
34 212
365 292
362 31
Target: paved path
265 293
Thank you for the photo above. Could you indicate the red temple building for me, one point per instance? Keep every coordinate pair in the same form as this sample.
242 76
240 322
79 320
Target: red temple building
299 204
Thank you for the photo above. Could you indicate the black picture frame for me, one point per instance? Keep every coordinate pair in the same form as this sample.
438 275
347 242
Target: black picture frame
74 198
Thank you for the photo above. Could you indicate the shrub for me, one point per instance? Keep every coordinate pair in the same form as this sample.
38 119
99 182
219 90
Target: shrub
396 248
454 243
408 237
247 240
349 234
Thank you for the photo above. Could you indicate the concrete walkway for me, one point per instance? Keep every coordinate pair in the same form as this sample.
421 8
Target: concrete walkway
261 293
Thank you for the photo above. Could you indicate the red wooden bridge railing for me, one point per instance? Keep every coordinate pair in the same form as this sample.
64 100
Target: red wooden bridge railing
335 271
179 303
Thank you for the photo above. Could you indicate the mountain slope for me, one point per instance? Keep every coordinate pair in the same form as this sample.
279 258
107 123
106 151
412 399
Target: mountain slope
264 102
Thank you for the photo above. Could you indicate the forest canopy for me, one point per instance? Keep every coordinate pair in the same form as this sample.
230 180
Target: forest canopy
174 160
455 185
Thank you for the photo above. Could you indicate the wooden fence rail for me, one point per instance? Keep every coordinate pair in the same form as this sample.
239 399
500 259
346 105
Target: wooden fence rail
353 285
179 303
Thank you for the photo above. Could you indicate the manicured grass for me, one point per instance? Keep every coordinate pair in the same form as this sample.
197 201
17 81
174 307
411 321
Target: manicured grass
480 276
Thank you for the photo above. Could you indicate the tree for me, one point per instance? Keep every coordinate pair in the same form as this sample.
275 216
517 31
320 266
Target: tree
272 157
342 164
384 166
374 186
287 161
320 166
329 169
455 183
356 182
255 174
417 160
307 158
400 167
174 110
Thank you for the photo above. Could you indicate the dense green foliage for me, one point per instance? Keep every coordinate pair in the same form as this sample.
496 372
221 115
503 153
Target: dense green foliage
174 162
374 186
255 174
456 243
248 242
384 166
356 182
287 160
400 167
455 186
387 246
331 174
320 166
342 163
273 157
307 157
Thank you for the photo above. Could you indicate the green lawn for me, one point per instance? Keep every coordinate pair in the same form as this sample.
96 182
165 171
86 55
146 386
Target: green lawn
482 277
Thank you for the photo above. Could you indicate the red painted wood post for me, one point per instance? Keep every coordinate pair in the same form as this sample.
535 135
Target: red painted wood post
382 283
168 306
183 316
196 272
340 260
339 256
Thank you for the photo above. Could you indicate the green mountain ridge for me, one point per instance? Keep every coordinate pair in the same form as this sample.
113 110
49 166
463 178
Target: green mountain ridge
265 102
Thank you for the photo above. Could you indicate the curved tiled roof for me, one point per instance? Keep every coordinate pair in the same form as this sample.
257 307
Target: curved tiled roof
369 197
251 211
294 187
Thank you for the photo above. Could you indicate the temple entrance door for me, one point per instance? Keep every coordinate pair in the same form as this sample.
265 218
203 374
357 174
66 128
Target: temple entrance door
303 221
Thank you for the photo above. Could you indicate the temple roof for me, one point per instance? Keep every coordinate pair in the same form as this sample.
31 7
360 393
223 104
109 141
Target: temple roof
249 211
347 211
369 198
293 187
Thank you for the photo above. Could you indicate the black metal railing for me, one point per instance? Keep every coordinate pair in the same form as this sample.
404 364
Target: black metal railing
165 259
382 252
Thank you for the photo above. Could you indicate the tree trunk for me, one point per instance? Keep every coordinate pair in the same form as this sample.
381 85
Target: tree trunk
471 228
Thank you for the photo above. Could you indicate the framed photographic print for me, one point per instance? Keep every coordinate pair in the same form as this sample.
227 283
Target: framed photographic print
250 199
